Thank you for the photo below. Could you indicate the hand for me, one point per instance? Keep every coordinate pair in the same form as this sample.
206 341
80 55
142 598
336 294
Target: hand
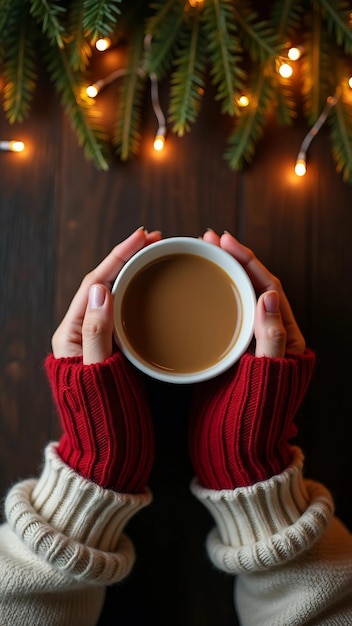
241 422
276 330
87 328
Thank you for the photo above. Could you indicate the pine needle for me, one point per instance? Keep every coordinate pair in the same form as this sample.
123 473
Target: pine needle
166 28
337 14
100 16
316 69
187 82
49 15
127 135
286 17
78 48
79 110
225 52
257 36
250 125
19 65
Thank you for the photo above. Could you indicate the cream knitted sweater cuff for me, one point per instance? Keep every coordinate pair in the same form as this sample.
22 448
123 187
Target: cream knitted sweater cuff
73 524
268 523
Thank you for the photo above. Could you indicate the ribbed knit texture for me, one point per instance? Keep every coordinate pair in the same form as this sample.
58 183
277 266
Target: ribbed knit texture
266 524
104 410
242 421
292 559
64 542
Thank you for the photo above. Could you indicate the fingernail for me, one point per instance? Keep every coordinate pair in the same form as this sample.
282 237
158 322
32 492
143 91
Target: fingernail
227 232
96 297
210 230
271 302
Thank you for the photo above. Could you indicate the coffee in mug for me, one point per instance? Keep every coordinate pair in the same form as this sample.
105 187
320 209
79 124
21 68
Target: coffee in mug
181 313
184 310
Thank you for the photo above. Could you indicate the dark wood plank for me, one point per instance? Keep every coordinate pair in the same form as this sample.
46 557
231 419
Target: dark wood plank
27 287
59 216
300 228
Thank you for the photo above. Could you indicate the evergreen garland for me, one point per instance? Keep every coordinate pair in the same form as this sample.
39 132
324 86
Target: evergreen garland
228 41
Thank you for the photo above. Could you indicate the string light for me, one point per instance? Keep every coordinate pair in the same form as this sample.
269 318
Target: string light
301 161
350 82
243 101
12 146
103 44
93 90
301 165
159 140
194 3
285 70
295 53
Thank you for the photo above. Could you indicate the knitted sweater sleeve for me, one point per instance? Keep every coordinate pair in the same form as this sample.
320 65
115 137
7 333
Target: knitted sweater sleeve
273 528
62 544
292 558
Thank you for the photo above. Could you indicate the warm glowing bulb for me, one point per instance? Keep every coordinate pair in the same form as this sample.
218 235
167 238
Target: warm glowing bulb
350 82
294 53
300 167
16 146
159 143
92 91
13 145
194 3
103 44
285 70
243 101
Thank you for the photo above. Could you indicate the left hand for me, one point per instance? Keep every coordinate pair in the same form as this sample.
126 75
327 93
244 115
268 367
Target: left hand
87 328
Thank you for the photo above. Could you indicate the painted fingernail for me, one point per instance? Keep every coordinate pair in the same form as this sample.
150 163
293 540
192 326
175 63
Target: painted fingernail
96 296
271 302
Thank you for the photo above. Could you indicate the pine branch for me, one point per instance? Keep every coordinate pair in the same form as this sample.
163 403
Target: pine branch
100 17
6 6
77 46
338 14
341 121
187 82
285 101
286 17
166 28
48 15
257 36
224 52
126 139
316 69
250 125
341 138
19 65
79 109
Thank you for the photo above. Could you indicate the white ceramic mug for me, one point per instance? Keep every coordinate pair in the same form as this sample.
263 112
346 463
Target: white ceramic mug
241 286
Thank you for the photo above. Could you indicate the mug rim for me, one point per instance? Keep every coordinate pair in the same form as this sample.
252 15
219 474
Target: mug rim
221 258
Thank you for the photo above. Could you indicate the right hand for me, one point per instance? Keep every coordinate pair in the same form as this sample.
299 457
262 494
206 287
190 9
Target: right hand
276 330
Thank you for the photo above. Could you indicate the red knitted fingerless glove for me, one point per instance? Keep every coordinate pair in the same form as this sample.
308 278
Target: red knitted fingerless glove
104 410
241 421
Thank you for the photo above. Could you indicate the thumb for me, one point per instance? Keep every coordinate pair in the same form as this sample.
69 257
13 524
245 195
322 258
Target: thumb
269 330
97 327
